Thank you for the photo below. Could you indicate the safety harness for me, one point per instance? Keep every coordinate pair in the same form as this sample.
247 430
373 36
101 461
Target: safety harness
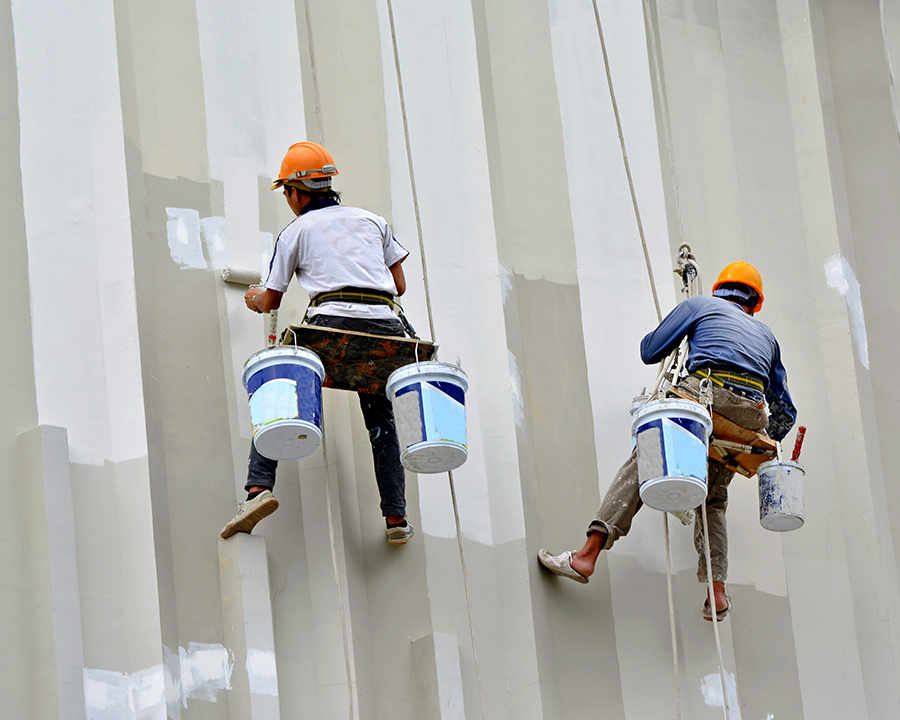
364 296
735 381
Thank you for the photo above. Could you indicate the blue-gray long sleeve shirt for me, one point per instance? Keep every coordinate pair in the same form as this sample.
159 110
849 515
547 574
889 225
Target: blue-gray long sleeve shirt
722 336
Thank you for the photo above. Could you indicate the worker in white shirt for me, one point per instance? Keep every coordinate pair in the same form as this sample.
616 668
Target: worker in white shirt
349 263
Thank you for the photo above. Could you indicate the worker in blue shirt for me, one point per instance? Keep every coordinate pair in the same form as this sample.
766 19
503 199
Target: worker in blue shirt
741 358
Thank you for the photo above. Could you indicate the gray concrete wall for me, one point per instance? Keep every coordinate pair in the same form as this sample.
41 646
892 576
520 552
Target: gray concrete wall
763 131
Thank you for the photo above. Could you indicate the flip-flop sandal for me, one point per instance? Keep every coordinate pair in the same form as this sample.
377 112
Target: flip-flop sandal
720 614
561 565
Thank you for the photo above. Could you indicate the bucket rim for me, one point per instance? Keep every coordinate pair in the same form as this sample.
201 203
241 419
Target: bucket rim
688 406
435 368
305 356
768 464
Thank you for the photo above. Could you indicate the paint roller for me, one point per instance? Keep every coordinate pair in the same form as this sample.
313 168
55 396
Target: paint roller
251 278
241 276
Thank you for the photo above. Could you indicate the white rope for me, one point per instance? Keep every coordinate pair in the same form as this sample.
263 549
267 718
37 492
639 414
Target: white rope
415 198
672 626
664 114
412 174
640 226
634 202
331 534
712 607
312 69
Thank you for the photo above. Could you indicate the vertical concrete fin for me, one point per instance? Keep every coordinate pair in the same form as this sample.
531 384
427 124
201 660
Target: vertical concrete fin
55 609
249 633
437 677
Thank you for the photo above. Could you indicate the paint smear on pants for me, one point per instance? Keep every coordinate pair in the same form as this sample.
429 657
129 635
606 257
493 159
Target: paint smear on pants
711 690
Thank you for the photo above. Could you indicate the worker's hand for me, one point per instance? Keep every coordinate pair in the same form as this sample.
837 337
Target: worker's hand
250 297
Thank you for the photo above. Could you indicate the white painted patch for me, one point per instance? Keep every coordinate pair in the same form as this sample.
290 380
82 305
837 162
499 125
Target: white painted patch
505 283
770 716
212 232
841 277
711 690
205 670
515 380
107 695
111 695
183 233
262 671
172 667
159 692
149 692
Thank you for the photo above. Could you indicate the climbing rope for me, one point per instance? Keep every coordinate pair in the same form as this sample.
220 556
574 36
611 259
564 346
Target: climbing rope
329 505
415 198
691 277
640 227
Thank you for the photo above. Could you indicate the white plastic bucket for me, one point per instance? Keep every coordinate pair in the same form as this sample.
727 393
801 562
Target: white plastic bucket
781 495
429 400
672 438
285 387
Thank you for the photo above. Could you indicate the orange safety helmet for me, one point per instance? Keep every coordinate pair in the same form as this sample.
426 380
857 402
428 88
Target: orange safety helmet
745 274
307 163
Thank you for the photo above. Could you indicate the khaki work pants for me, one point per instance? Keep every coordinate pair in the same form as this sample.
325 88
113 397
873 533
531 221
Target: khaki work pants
623 499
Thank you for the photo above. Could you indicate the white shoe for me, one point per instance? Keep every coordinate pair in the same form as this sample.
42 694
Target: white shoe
400 535
251 512
561 565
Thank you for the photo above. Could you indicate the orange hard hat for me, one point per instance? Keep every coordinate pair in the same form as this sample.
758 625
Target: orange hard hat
745 274
307 163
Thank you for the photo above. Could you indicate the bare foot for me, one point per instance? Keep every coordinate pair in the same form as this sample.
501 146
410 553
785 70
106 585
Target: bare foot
584 560
719 590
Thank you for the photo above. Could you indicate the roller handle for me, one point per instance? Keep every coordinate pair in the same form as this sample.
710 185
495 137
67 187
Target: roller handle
798 443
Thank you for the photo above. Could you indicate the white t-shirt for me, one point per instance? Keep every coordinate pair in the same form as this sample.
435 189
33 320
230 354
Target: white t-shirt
335 247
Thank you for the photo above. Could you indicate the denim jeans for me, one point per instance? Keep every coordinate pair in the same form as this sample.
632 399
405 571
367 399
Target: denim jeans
623 500
378 414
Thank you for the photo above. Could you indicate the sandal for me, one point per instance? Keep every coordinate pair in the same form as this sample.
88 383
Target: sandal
720 614
561 565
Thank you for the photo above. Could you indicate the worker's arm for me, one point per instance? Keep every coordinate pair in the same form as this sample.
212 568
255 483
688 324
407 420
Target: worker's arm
399 277
782 413
262 300
657 344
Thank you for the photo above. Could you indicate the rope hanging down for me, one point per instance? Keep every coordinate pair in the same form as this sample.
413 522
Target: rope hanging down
415 198
640 226
691 280
345 639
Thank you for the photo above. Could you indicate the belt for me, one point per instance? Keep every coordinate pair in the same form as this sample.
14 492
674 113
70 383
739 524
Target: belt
733 380
365 296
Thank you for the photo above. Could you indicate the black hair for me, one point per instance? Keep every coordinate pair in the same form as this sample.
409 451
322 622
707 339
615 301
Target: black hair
328 193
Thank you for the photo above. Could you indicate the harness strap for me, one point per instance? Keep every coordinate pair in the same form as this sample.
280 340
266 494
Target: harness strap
722 378
366 296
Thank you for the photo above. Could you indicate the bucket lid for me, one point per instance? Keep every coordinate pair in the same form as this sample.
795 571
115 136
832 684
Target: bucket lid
432 370
286 353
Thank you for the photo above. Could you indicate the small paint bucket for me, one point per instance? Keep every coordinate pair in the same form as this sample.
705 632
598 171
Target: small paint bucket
781 495
429 400
285 387
672 438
